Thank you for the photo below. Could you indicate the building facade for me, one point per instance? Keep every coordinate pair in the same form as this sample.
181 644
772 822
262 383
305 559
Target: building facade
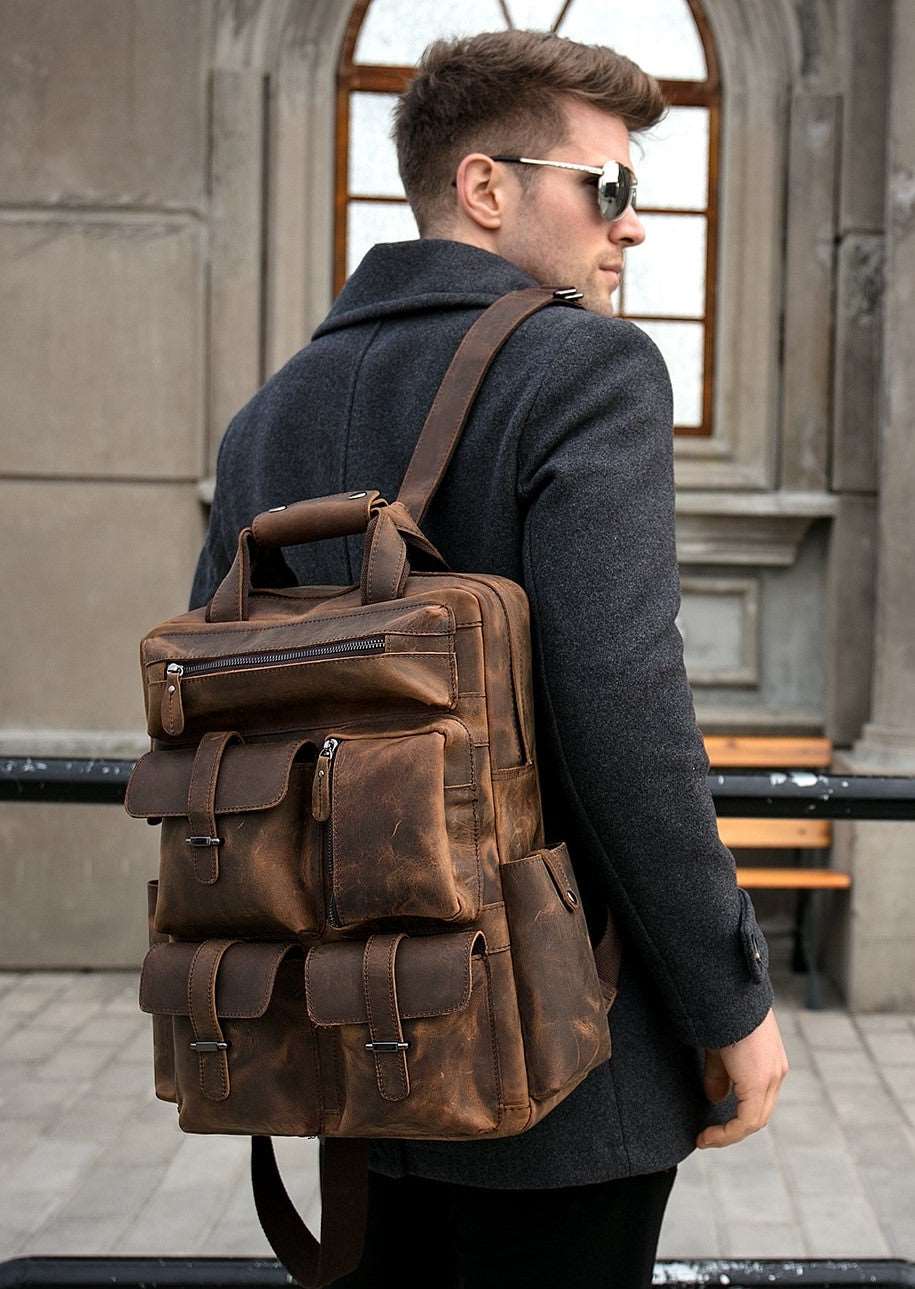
182 194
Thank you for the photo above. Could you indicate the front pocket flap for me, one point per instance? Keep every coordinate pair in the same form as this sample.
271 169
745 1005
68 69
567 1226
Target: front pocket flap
432 973
252 776
244 983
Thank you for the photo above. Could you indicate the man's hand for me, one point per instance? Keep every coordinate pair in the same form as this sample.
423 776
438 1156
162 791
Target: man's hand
756 1065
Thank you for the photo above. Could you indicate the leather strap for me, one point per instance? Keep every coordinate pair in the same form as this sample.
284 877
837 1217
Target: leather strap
209 1041
387 1041
607 955
316 518
344 1204
451 406
201 802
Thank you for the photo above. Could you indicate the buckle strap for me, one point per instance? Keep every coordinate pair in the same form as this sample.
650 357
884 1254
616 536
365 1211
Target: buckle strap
387 1043
209 1042
201 803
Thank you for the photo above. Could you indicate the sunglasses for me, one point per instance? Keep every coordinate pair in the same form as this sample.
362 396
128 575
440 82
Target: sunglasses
616 183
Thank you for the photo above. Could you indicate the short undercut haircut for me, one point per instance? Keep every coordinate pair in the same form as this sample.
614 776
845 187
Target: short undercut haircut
503 92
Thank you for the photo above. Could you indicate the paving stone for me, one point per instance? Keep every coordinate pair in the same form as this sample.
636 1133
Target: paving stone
237 1240
73 1236
199 1159
138 1049
10 1023
881 1022
859 1107
801 1087
893 1047
688 1235
835 1228
841 1066
751 1239
34 990
23 1213
175 1222
797 1051
114 1030
797 1125
41 1098
66 1017
52 1166
746 1184
900 1079
831 1029
74 1060
813 1170
111 1191
101 1118
32 1043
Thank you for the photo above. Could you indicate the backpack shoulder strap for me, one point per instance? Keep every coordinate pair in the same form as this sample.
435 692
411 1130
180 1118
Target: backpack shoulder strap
460 385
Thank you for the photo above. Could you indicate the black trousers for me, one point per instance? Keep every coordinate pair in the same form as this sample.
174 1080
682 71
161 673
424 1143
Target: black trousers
436 1235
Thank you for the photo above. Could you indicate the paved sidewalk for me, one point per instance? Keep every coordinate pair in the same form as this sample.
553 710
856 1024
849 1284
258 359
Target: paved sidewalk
93 1164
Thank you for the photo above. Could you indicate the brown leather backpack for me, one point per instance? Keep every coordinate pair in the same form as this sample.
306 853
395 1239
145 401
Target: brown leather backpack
359 929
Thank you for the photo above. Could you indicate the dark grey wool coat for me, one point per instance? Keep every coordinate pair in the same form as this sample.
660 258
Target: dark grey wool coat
563 481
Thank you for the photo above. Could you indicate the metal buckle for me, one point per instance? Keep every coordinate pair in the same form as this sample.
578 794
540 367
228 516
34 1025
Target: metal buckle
568 293
387 1045
207 1045
203 841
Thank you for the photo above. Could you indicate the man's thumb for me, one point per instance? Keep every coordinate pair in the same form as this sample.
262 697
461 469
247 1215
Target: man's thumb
715 1080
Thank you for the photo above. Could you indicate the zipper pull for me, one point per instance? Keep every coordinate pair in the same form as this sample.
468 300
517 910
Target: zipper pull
320 786
172 713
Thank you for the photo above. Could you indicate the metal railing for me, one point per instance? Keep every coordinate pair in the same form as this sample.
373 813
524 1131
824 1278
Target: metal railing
776 794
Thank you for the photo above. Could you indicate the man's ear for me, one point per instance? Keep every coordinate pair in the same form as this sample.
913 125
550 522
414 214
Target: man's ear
481 190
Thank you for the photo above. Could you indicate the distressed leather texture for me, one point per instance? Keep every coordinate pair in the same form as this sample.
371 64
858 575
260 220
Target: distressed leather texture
359 929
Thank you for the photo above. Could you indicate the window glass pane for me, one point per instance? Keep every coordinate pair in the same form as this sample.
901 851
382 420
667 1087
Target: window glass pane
396 32
372 155
376 221
666 274
681 343
534 15
674 169
659 35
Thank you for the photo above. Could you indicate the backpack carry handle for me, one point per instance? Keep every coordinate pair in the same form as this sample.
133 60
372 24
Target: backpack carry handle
389 529
339 515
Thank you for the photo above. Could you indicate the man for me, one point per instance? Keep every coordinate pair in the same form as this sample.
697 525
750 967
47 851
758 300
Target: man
563 481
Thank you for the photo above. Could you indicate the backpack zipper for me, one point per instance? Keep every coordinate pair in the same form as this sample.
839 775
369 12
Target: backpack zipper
172 715
320 808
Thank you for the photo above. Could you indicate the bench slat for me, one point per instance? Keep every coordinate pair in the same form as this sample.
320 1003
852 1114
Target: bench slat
815 834
765 751
794 878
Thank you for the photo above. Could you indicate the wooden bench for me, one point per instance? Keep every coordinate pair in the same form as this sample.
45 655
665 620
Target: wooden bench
746 752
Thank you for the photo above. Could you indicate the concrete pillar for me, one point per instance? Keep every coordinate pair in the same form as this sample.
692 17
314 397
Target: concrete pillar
880 948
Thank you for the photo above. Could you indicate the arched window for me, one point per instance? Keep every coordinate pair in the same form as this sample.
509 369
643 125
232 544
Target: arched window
668 287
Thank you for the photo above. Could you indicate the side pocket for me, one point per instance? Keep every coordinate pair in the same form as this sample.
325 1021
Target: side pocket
163 1036
563 1012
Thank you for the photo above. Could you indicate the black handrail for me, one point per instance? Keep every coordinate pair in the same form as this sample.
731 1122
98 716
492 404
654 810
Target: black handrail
775 794
263 1273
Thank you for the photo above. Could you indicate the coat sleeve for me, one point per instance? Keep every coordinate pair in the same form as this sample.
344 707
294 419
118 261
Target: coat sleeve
615 718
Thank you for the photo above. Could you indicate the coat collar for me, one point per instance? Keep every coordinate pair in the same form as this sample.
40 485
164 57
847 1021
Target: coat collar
427 273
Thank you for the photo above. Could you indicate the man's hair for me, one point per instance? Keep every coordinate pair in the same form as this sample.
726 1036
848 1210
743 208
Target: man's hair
504 91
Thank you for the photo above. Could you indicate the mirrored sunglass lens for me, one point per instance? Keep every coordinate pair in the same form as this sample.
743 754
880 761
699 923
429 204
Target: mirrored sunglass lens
613 190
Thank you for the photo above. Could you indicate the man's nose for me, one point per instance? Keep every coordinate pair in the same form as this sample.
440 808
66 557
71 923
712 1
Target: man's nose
628 229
